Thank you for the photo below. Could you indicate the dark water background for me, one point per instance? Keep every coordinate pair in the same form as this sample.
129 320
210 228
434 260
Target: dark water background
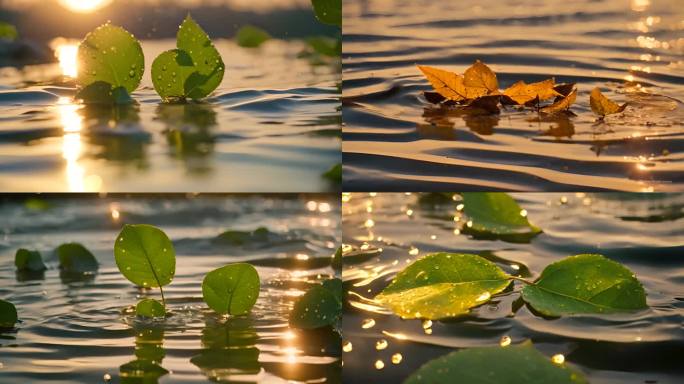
78 330
395 140
644 232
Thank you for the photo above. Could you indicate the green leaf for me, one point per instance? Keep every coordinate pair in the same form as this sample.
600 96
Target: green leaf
74 257
502 365
328 11
334 174
111 55
237 238
8 314
320 306
251 37
337 260
150 308
585 284
442 285
232 289
26 260
145 255
8 31
100 92
325 45
495 215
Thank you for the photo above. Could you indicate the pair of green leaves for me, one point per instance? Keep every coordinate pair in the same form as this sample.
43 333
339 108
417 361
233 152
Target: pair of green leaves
73 258
444 285
320 306
111 65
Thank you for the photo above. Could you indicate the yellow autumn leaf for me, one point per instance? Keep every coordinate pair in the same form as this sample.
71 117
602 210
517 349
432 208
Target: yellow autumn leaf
602 106
522 93
562 104
479 80
447 84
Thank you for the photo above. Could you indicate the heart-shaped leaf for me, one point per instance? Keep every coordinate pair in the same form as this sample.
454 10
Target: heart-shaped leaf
328 11
602 105
442 285
522 92
585 284
320 306
110 55
26 260
74 257
150 308
505 365
232 289
145 255
8 314
496 215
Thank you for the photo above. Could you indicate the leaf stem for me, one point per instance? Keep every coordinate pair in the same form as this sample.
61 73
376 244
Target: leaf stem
521 279
162 295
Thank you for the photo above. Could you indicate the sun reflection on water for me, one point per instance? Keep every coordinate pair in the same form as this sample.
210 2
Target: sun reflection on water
66 52
72 149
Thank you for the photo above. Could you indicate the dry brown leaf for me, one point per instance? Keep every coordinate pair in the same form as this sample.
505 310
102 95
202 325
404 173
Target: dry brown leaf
522 93
479 80
561 105
447 84
489 103
602 106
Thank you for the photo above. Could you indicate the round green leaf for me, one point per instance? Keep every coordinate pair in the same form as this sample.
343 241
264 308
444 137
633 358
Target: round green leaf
149 308
251 37
442 285
328 11
319 306
8 314
502 365
26 260
170 72
145 255
585 284
112 55
232 289
497 215
74 257
8 31
209 67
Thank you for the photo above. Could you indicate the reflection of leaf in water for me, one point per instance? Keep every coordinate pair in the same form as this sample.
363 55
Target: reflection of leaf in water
477 118
561 125
149 353
189 132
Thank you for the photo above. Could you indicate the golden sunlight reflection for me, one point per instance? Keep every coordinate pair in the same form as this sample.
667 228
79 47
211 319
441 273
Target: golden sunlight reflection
72 149
66 52
640 5
84 6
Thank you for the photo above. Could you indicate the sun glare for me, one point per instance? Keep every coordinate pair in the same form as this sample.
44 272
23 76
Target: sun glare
66 52
84 6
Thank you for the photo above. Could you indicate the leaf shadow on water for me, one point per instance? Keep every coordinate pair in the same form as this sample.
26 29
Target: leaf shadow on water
149 353
440 121
29 275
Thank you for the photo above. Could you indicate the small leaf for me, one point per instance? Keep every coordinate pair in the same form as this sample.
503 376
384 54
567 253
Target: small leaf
8 314
442 285
232 289
251 37
320 306
522 93
325 46
149 308
109 54
328 11
585 284
560 105
513 364
337 260
26 260
237 238
602 106
496 215
8 31
334 174
480 80
448 84
74 257
145 255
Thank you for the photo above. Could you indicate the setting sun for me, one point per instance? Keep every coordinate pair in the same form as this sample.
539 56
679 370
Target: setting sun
84 6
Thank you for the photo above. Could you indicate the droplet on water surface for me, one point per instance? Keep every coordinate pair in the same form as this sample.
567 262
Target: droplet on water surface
379 364
107 377
558 358
381 344
505 341
347 346
368 323
396 358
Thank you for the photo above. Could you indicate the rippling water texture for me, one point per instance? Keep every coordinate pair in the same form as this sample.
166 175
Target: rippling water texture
395 140
272 126
79 330
641 231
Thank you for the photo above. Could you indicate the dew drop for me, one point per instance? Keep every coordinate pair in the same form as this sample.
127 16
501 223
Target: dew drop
505 341
107 377
131 73
347 346
368 323
381 344
396 358
558 358
379 364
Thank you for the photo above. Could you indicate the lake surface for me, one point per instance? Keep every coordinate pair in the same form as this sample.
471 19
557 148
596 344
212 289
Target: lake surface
395 140
272 126
382 234
77 330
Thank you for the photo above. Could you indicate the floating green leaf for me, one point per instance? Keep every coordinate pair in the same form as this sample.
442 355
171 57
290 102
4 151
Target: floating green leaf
442 285
320 306
328 11
232 289
8 314
325 45
26 260
585 284
109 55
149 308
236 238
497 215
194 70
145 255
337 259
503 365
334 174
8 31
74 257
251 37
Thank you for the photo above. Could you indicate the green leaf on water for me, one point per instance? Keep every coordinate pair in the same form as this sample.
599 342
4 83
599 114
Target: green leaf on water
232 289
496 215
325 45
337 259
74 257
194 70
505 365
320 306
237 238
8 31
585 284
442 285
328 11
8 314
251 37
334 174
26 260
150 308
113 56
145 255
